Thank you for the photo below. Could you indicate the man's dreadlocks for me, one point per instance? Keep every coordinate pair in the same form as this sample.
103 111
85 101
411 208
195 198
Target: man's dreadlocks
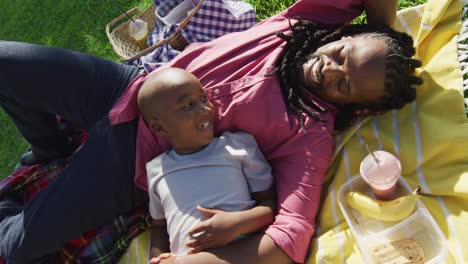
307 37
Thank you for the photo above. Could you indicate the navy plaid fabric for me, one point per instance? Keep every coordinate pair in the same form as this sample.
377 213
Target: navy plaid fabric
214 19
105 244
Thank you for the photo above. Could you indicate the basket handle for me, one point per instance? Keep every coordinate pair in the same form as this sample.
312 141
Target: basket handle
168 39
195 10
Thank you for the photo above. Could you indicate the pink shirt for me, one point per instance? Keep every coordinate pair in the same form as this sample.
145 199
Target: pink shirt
232 70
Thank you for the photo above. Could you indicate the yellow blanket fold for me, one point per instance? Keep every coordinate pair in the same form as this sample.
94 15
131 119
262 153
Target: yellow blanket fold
429 136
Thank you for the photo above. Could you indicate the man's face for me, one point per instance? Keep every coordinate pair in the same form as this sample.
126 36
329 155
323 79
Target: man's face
188 118
347 71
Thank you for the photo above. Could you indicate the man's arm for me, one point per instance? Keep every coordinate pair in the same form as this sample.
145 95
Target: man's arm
381 12
159 238
255 249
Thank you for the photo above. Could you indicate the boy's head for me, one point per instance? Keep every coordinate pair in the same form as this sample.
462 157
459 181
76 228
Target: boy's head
175 106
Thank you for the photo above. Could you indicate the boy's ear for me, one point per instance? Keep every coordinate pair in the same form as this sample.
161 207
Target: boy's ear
157 128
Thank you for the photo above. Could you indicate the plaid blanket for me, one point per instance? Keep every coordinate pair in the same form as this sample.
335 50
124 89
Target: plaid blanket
101 245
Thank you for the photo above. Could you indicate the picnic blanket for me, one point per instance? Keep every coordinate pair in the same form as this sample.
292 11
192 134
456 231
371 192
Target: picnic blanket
105 244
430 136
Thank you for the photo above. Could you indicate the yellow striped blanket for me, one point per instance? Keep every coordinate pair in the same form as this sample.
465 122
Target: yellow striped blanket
429 136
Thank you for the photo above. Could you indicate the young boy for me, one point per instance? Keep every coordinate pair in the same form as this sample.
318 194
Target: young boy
200 172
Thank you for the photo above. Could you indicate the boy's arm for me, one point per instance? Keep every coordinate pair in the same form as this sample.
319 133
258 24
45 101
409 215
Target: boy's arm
259 216
159 238
223 227
257 172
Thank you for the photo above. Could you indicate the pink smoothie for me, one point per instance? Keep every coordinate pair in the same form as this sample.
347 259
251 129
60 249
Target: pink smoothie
381 174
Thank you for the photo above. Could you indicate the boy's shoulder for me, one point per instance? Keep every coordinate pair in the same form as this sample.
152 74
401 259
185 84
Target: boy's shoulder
156 160
154 166
239 137
238 143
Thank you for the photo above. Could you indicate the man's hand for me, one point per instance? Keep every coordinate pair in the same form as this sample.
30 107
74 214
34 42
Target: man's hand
217 231
381 12
160 259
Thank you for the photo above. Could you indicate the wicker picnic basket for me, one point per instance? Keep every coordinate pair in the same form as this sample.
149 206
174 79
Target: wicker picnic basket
126 47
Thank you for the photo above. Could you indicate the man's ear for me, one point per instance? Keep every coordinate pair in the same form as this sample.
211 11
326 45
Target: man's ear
157 128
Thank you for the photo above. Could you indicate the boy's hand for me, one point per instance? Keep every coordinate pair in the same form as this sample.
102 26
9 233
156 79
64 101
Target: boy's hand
218 231
160 258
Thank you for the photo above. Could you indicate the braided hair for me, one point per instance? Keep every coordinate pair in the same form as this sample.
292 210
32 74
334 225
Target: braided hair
307 37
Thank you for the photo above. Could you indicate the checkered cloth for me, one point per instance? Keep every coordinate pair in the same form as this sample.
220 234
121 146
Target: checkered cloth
102 245
214 19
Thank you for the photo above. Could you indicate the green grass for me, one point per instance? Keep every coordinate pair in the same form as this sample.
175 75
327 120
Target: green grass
77 25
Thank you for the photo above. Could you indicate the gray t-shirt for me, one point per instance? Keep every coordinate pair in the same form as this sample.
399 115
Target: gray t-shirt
221 175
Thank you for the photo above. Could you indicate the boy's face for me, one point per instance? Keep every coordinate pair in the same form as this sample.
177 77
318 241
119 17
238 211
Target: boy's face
186 118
